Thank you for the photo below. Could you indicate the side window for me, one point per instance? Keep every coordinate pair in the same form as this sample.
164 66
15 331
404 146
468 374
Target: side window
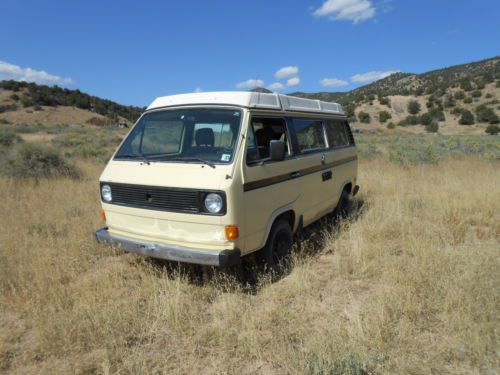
349 133
337 133
261 132
310 136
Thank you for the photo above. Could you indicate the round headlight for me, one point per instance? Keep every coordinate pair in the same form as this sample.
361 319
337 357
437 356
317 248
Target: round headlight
106 193
213 203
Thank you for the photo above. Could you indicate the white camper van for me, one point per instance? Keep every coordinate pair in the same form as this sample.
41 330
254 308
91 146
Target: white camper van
210 177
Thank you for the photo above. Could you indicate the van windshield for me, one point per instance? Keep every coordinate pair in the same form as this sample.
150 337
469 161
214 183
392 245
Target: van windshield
191 135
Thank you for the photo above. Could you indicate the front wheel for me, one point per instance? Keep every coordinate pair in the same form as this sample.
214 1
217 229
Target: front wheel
276 254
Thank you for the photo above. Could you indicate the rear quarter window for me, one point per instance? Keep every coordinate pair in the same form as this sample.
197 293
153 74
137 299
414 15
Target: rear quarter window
310 135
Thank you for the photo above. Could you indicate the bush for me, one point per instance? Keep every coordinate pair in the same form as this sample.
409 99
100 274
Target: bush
35 161
466 85
383 116
468 100
364 117
467 118
391 125
7 137
476 94
460 95
425 119
383 100
449 101
433 127
492 129
413 107
488 96
14 97
486 114
437 114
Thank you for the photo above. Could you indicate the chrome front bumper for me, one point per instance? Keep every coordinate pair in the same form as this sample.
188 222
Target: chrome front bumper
223 258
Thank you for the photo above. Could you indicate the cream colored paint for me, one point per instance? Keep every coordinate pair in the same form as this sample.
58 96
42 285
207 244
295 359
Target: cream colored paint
253 211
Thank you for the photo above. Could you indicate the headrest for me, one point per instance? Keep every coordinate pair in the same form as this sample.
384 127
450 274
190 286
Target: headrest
204 137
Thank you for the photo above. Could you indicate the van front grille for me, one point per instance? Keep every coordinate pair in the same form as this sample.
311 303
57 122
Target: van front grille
156 198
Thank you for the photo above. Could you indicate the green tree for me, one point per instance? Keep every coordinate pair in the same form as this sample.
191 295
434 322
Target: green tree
433 127
476 94
413 107
460 95
486 114
466 85
425 119
383 116
467 118
364 117
492 129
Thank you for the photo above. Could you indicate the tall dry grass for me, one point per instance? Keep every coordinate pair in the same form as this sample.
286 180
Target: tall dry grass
410 285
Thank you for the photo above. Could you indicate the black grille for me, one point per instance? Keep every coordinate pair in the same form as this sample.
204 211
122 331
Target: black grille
156 198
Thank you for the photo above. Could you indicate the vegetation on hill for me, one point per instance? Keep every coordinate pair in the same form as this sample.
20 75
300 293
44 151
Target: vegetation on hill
26 94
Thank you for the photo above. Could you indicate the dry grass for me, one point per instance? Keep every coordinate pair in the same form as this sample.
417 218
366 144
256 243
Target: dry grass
410 286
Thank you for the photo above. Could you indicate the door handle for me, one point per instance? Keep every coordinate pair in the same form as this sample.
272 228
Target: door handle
295 174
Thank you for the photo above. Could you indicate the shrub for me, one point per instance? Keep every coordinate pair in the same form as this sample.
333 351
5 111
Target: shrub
35 161
460 95
364 117
14 97
476 94
425 119
457 111
486 114
383 100
413 107
433 127
391 125
488 96
7 137
383 116
467 118
466 85
492 129
437 114
468 100
449 101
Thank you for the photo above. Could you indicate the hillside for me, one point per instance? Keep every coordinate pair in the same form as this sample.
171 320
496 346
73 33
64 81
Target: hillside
443 96
23 103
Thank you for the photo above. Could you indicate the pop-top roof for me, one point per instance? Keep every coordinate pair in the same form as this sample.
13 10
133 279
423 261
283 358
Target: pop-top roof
275 101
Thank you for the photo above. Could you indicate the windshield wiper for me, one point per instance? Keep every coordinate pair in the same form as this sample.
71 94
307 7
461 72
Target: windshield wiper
193 158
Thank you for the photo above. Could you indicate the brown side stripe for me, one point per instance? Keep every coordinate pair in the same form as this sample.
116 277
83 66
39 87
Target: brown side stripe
303 172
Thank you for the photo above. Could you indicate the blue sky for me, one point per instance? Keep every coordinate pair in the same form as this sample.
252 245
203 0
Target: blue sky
132 52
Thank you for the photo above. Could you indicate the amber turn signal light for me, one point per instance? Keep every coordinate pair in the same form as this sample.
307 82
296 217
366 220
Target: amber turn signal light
103 216
232 232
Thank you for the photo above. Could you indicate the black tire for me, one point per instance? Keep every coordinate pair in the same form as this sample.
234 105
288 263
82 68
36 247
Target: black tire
276 254
344 207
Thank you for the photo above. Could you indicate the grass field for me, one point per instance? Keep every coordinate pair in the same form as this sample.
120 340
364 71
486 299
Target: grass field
408 285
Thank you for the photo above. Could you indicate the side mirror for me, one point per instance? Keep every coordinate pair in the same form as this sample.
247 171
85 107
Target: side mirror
277 150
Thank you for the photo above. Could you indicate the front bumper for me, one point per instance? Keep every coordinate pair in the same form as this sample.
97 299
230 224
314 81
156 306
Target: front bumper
223 258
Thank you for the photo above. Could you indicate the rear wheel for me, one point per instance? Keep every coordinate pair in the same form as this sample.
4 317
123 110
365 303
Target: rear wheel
276 254
344 206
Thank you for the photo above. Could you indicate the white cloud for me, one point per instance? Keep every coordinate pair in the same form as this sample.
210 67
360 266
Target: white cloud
352 10
286 72
371 76
17 73
333 82
250 84
198 89
276 86
295 81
